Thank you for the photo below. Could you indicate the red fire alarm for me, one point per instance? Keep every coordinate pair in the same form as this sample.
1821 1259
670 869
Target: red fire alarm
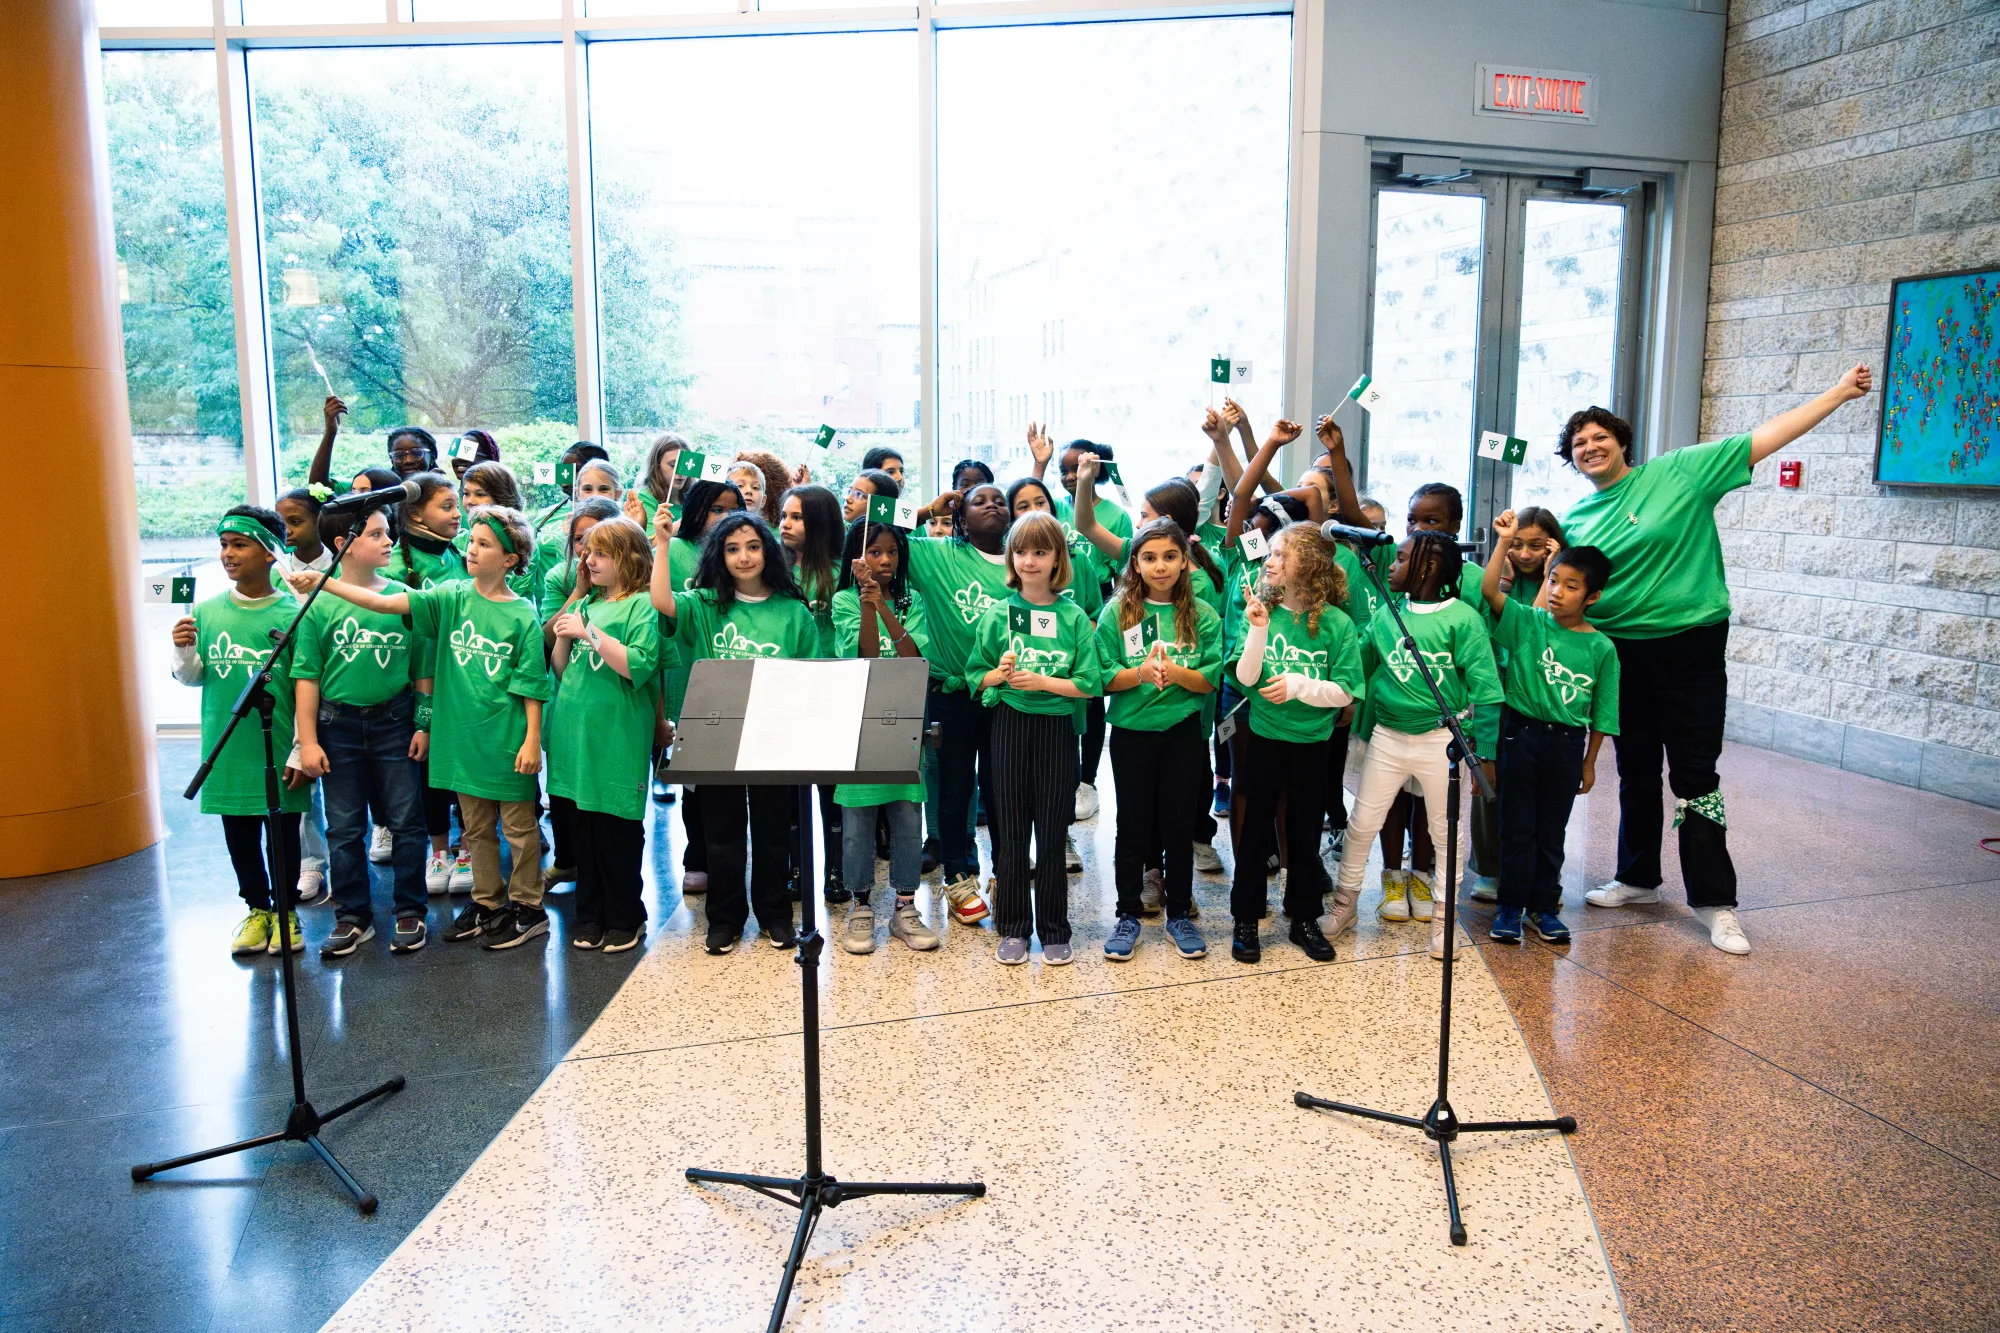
1789 472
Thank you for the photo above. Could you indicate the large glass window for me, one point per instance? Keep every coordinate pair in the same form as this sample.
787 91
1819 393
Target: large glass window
1570 282
758 255
177 307
416 245
1112 206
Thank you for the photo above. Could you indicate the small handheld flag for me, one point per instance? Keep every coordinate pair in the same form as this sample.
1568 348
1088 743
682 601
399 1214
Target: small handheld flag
1142 636
465 449
1031 621
1365 393
688 463
565 474
1506 448
545 474
158 589
1109 470
881 510
906 513
320 371
183 590
1255 547
1239 372
828 438
1225 729
1218 370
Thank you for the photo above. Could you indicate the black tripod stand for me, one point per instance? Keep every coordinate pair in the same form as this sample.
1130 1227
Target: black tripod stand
1440 1124
304 1122
815 1190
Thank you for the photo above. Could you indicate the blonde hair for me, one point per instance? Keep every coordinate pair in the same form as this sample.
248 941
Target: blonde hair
624 541
1314 573
1039 529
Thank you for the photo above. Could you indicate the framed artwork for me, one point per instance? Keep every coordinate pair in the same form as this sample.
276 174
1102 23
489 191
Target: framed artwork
1941 382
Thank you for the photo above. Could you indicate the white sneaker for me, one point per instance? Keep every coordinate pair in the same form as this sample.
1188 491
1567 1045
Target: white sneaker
859 934
312 888
381 846
1072 860
461 873
1725 932
1422 905
1616 894
1485 889
1086 801
1152 892
1206 858
437 873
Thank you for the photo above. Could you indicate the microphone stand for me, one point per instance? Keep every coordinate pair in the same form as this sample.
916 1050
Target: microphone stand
1440 1123
303 1124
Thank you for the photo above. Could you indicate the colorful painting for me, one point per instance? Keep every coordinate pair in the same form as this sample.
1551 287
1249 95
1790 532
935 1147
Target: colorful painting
1941 382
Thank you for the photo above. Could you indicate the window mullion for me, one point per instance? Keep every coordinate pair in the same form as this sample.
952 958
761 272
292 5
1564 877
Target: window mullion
246 274
582 231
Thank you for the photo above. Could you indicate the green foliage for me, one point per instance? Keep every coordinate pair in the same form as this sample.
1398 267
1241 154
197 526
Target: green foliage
187 508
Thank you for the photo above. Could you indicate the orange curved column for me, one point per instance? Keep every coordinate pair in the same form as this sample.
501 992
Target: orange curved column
77 777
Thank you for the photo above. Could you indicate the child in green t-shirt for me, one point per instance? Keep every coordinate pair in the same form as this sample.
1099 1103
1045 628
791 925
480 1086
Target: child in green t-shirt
1033 658
1562 686
812 530
219 648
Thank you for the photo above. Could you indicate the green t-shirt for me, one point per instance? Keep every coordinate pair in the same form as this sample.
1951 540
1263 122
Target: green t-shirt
683 557
1290 645
1559 675
558 582
523 582
1656 524
488 662
1203 586
1092 570
1362 599
774 627
1452 637
360 658
960 583
234 642
599 728
1070 653
847 643
1147 707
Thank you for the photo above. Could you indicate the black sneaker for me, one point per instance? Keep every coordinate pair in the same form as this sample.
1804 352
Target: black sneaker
837 891
411 934
618 941
346 937
721 939
1244 948
792 889
587 937
471 922
662 793
931 861
1306 935
518 924
783 934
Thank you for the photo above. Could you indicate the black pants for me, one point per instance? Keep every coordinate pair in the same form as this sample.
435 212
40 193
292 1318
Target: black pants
1160 788
438 805
1541 765
767 849
1033 790
244 836
562 831
831 838
1090 747
694 850
1336 777
1672 693
1296 771
609 851
965 744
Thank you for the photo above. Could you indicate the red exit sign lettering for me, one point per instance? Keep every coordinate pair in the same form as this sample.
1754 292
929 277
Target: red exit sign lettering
1546 94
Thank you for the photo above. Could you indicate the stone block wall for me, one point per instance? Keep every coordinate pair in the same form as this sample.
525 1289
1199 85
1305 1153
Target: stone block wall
1860 143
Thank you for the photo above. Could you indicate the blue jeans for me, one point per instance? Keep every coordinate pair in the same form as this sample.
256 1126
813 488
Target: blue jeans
906 847
369 767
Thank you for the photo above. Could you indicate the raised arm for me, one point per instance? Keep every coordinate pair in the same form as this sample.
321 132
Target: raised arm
1782 429
662 589
1234 417
1245 498
1040 448
1496 564
1087 525
1347 499
303 581
322 459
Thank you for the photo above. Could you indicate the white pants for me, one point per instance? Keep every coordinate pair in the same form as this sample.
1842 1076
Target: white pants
1393 758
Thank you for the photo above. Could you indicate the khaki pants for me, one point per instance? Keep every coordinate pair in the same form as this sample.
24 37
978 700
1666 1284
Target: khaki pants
483 820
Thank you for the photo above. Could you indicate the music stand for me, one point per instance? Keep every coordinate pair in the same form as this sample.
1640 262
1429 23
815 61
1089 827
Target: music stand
705 751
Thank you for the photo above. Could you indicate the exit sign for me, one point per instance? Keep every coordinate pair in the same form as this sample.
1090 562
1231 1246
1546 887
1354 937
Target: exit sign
1544 94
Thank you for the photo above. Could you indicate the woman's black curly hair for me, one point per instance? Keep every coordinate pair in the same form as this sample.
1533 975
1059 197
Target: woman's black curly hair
1621 431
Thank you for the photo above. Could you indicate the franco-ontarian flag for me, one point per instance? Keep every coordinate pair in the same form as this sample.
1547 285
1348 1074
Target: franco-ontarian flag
1506 448
1227 370
1365 393
1030 620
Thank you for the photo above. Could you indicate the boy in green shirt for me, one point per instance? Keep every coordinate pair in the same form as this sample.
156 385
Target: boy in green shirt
1562 682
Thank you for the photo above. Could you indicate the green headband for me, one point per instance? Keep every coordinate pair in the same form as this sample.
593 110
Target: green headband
499 532
245 526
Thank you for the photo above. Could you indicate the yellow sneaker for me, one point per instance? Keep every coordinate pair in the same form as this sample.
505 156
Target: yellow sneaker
1395 896
253 933
1420 896
277 939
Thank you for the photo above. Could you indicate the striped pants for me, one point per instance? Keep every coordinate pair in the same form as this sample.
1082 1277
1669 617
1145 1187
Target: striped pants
1034 790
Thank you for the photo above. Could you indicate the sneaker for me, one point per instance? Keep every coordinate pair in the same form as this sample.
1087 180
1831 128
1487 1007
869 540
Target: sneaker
1013 951
587 937
1124 939
1270 865
437 873
1086 802
1244 947
1206 858
253 933
1306 935
1395 896
1220 806
721 939
662 793
1439 942
1057 955
1506 926
1422 905
1186 938
835 891
1616 894
313 889
381 845
858 936
693 882
1550 929
461 873
1072 859
556 877
1725 932
1341 919
471 922
618 941
1152 892
297 931
931 862
411 933
520 924
1485 889
1336 842
783 934
967 906
345 938
909 927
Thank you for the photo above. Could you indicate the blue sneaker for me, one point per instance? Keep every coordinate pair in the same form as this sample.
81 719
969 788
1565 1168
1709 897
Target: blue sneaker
1056 955
1013 951
1186 938
1124 939
1550 928
1506 926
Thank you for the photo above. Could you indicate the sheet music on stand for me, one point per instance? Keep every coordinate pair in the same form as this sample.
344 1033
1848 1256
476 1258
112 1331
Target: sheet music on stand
803 715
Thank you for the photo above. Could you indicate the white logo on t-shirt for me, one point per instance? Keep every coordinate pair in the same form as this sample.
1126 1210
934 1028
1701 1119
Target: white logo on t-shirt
351 638
225 655
467 643
1573 684
1404 666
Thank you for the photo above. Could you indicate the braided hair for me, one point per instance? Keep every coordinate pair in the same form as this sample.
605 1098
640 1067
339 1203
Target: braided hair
1435 565
851 550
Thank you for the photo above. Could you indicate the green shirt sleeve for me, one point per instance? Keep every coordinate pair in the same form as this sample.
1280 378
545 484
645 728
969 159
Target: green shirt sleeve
1604 701
308 650
641 636
530 675
989 642
1473 651
1710 470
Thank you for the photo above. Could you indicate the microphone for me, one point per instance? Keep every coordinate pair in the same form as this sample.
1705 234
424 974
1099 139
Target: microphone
361 502
1359 536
